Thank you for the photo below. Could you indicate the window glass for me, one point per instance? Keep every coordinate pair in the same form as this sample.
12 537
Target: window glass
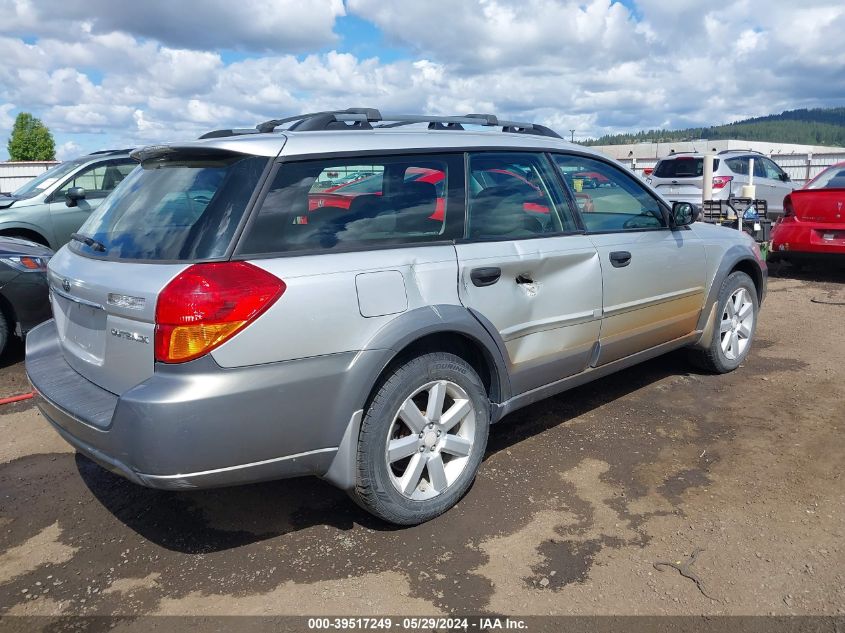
623 204
100 179
184 207
772 170
45 180
830 178
682 167
738 165
513 195
395 200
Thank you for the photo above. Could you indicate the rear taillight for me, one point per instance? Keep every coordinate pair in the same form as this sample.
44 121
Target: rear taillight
207 304
720 182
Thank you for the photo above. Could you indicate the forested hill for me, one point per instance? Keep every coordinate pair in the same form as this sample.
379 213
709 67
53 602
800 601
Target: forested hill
809 127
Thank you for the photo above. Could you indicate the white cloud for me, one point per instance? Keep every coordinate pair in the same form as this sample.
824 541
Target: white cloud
68 150
489 34
261 25
124 78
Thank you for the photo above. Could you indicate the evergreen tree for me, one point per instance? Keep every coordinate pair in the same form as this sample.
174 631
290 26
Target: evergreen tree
31 140
804 127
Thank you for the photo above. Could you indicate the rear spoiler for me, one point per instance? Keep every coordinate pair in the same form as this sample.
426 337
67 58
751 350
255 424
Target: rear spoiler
156 152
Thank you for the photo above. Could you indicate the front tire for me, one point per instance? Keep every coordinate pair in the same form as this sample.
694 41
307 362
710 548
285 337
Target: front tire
736 323
4 333
422 439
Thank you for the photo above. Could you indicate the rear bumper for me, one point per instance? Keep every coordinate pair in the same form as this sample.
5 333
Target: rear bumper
791 238
198 425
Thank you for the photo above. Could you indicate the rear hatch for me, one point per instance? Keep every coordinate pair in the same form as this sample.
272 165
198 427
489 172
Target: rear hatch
184 206
680 178
825 206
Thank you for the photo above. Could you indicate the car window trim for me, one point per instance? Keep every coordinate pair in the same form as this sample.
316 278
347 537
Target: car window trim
665 211
54 195
254 206
543 155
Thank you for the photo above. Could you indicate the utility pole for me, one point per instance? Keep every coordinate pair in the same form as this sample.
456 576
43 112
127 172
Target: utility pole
572 132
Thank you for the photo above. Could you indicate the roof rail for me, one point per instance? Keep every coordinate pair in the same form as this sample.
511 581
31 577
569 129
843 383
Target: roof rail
363 118
111 151
229 132
744 151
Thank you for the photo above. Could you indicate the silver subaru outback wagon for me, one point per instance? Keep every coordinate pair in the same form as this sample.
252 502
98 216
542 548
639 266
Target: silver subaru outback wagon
359 297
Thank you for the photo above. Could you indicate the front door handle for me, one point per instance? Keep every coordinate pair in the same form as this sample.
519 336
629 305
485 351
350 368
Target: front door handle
620 259
485 276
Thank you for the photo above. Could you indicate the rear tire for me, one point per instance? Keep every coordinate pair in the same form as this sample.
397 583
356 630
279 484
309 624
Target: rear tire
422 439
736 323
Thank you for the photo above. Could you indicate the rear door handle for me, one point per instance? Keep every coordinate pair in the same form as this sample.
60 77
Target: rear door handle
485 276
620 259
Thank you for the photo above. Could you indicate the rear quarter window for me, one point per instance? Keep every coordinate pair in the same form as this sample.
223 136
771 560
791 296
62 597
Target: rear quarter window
182 208
407 200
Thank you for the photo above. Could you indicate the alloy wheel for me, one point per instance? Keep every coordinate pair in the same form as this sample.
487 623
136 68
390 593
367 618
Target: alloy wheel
430 440
737 324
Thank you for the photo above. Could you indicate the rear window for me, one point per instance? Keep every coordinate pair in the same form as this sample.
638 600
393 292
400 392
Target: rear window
406 200
179 208
686 167
832 178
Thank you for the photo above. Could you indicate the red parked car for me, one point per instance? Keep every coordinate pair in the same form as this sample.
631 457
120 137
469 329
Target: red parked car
342 195
813 221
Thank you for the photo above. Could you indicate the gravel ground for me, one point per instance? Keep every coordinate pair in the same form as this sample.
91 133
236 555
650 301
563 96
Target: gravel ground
577 498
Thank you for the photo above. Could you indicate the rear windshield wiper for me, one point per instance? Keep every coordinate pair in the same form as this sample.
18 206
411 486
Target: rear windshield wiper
89 241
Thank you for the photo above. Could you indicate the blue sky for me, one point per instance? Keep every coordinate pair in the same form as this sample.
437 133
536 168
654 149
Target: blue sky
115 74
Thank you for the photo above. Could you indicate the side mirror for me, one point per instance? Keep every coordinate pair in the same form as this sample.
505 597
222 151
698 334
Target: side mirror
683 214
785 177
74 195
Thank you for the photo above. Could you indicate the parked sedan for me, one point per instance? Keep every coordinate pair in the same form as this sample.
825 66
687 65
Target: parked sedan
813 222
24 299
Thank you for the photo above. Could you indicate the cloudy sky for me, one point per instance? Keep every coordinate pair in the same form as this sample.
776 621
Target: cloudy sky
105 73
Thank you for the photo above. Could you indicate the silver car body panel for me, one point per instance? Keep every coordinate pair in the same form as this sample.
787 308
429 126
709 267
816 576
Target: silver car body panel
320 311
657 297
553 320
106 342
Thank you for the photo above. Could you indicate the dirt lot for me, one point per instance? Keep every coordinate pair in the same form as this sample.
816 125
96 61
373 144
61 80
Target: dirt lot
577 498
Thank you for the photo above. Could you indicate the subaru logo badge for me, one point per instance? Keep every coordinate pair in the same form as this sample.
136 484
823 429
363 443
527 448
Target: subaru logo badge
66 285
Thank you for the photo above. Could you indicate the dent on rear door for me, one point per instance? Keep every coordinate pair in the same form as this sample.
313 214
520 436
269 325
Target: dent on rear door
546 305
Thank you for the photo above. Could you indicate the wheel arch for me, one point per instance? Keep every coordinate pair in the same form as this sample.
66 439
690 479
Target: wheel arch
445 328
737 258
752 269
25 233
